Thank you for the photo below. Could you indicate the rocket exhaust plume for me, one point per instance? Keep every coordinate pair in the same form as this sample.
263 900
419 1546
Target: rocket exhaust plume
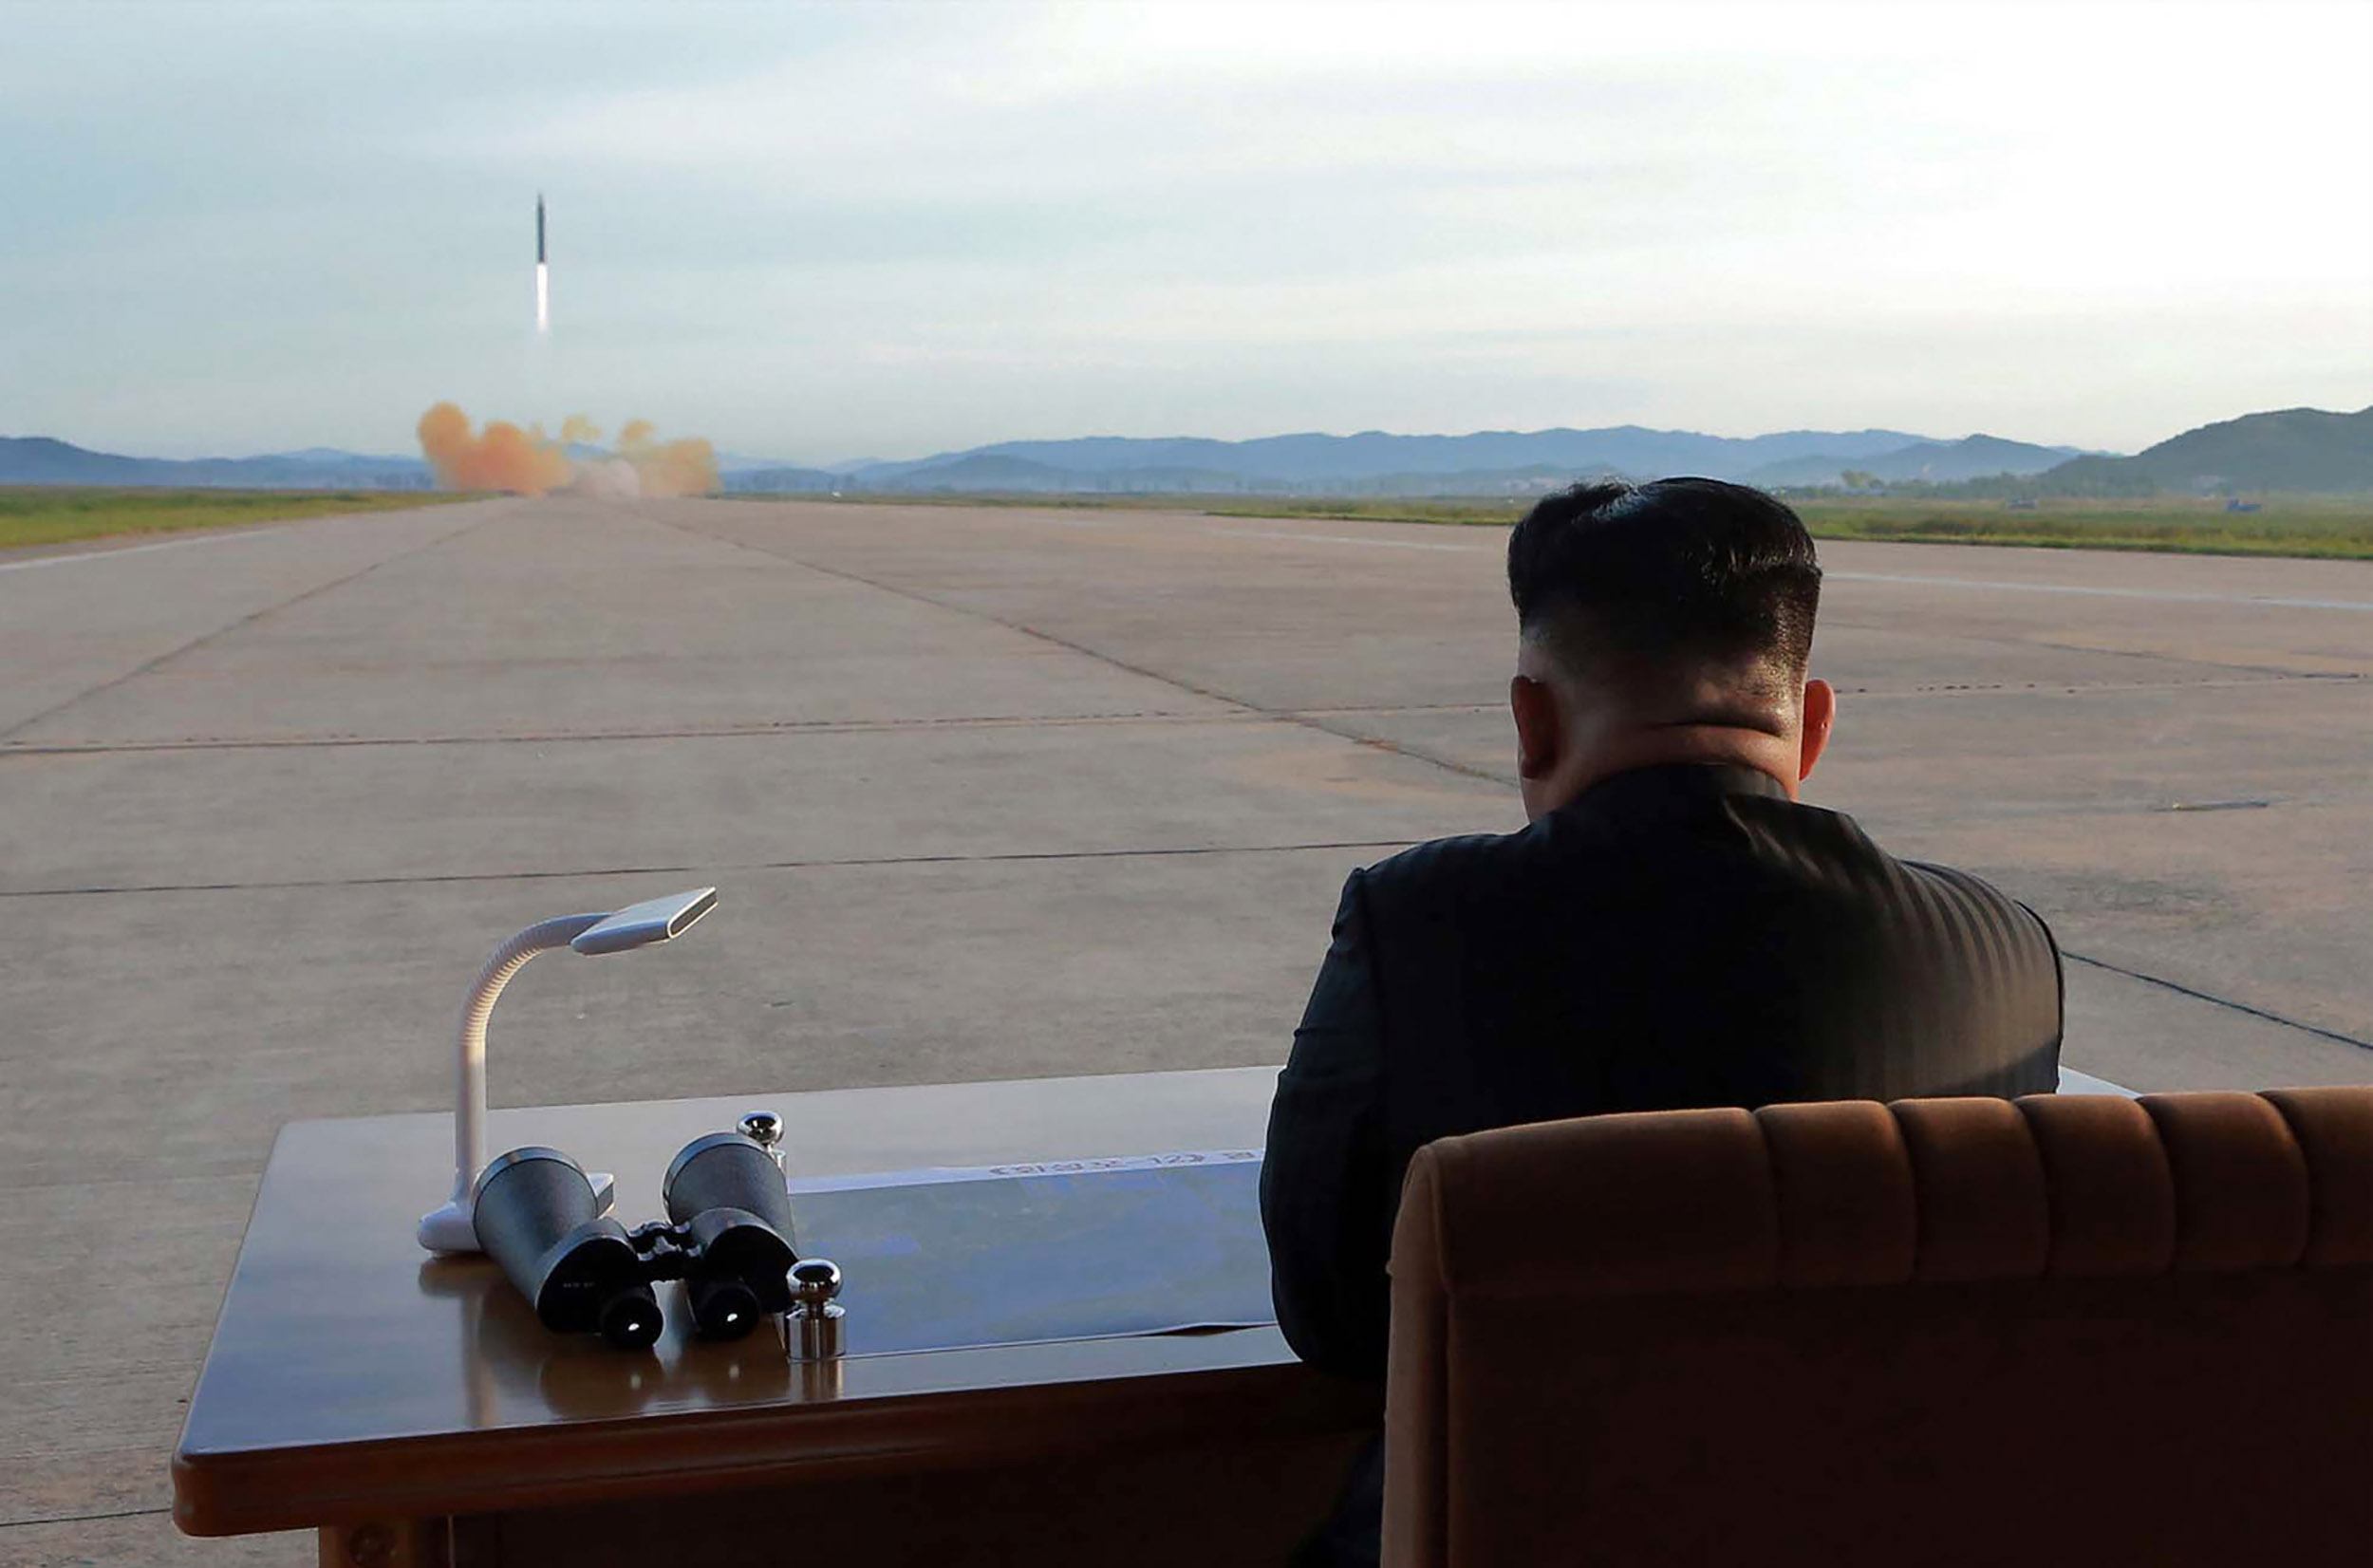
503 457
543 273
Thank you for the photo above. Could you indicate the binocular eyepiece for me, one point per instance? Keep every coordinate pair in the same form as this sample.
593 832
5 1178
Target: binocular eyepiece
728 1236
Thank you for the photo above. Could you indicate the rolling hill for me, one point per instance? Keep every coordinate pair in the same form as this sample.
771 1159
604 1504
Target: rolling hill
2293 449
1931 463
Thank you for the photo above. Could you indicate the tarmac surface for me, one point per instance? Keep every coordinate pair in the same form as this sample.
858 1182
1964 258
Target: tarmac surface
988 792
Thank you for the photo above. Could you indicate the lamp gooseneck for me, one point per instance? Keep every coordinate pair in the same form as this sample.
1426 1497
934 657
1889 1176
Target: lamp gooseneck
448 1227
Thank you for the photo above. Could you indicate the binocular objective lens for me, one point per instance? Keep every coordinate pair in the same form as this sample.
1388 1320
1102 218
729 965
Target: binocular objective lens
727 1170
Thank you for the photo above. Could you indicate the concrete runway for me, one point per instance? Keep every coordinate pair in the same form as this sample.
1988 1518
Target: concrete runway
988 792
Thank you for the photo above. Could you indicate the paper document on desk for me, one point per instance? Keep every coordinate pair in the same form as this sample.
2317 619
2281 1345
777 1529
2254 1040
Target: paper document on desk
952 1257
933 1175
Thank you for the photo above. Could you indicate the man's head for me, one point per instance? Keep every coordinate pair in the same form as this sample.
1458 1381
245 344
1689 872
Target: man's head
1662 623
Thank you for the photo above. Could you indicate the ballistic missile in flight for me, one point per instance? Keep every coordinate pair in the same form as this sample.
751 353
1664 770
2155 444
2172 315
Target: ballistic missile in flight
542 275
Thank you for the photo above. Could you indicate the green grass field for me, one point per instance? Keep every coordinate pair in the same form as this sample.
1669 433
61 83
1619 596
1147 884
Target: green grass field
56 515
2327 528
2317 527
2336 527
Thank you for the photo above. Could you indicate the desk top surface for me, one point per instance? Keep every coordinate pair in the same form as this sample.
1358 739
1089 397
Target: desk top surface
351 1376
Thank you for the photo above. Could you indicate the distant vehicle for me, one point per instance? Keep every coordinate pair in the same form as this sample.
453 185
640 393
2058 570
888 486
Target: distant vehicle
2028 505
2237 504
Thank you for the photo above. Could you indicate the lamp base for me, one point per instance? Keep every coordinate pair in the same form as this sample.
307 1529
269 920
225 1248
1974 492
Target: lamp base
448 1227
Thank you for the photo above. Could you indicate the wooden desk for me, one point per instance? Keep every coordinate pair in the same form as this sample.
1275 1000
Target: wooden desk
416 1413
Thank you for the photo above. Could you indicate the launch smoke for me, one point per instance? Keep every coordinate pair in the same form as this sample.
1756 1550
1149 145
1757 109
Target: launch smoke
525 462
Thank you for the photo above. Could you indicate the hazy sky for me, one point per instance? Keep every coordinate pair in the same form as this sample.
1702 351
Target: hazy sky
833 232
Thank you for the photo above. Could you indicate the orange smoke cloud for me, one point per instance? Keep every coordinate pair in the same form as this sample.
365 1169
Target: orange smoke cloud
525 462
686 467
502 456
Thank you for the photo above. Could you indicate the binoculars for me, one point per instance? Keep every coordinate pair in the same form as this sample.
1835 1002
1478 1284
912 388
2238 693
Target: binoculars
727 1235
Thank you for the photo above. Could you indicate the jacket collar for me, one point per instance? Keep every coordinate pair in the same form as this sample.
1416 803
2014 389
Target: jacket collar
1670 783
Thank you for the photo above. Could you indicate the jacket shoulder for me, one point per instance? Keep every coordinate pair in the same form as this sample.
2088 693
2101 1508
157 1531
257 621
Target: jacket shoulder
1426 871
1975 893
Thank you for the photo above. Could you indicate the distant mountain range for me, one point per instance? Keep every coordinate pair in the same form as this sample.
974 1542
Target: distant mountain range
2294 450
39 460
2300 449
1372 462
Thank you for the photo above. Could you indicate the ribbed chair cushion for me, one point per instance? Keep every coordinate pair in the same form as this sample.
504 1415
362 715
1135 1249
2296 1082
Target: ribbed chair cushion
2064 1330
2335 1134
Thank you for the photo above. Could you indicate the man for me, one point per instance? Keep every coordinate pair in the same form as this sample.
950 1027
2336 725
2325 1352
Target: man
1674 929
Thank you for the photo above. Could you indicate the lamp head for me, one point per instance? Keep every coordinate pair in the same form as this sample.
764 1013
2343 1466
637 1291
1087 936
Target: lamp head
640 924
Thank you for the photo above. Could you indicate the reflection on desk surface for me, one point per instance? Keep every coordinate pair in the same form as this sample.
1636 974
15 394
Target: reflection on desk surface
946 1264
514 1367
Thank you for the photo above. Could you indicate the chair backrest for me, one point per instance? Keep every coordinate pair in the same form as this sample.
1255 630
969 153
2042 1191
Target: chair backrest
2064 1330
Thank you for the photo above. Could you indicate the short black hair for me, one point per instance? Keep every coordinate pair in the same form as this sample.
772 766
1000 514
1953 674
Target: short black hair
1676 575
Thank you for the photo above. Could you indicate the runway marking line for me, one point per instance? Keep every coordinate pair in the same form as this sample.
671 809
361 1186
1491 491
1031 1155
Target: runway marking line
135 550
1009 857
2197 995
146 666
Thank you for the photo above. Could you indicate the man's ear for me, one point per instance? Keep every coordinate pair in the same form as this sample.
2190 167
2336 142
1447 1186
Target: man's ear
1540 735
1821 717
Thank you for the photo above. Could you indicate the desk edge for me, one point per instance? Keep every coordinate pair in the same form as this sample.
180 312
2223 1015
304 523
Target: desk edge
245 1493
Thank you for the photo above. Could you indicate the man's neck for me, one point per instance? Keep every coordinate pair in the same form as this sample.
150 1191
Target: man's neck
1664 744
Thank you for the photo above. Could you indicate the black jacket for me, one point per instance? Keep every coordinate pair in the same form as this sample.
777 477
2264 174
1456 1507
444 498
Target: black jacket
1678 935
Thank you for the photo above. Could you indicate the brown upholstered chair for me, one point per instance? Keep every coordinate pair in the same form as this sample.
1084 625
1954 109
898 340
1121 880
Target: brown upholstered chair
2080 1331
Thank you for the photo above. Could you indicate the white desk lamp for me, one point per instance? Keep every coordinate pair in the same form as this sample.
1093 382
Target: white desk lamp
448 1229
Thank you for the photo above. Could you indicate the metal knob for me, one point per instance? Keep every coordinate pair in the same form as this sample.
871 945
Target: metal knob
764 1129
815 1317
814 1281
